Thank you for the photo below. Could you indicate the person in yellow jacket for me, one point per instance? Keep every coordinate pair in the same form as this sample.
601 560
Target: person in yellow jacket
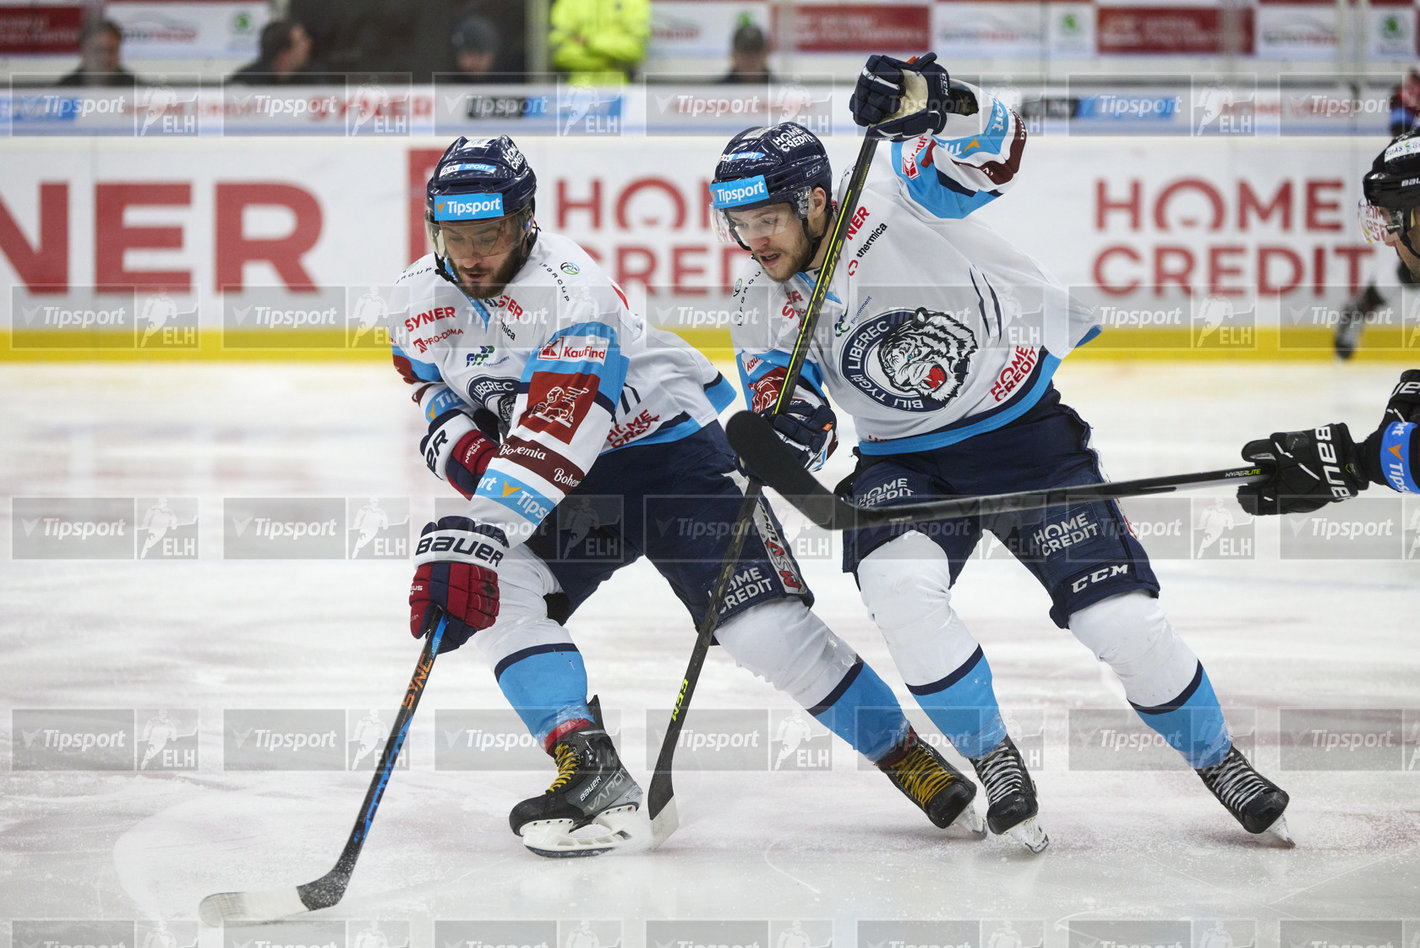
599 41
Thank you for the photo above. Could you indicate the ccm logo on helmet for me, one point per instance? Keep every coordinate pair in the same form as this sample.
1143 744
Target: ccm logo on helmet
469 208
743 191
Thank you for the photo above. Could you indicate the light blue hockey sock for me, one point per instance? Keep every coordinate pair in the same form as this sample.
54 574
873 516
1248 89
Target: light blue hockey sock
864 712
1192 723
546 685
963 706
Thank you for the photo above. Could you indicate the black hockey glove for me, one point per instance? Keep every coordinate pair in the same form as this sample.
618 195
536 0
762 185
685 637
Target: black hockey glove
1391 453
885 81
1404 404
1311 469
808 429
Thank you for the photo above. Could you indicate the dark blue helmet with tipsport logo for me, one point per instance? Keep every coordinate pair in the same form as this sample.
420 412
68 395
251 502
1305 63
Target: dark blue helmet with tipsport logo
777 164
479 178
482 179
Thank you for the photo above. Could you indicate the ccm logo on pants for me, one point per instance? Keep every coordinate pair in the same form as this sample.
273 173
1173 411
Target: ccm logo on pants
1099 575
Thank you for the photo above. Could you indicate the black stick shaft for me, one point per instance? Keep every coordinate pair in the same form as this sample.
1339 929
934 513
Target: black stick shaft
661 790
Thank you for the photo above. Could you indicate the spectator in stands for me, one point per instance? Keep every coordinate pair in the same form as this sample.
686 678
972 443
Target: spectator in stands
749 55
285 57
599 42
100 44
475 42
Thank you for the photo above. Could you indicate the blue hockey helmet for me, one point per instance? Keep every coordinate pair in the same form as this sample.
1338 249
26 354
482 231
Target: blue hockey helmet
776 164
481 179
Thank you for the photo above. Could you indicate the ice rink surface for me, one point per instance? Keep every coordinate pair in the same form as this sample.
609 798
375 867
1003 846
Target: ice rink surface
212 641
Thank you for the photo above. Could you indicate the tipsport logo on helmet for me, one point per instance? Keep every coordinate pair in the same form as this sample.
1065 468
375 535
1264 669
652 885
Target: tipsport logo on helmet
470 207
737 193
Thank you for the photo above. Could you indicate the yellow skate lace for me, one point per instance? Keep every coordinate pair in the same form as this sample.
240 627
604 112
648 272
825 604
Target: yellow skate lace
566 757
921 777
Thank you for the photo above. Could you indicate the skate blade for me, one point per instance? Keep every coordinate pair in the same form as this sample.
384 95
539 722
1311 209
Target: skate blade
1030 834
971 821
560 839
1278 835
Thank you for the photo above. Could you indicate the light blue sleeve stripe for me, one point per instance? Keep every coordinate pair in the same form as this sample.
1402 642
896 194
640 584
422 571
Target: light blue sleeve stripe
986 141
721 393
928 192
940 439
1396 443
515 495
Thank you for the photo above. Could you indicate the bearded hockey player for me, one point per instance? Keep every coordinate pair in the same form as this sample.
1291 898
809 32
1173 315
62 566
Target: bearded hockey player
576 432
940 339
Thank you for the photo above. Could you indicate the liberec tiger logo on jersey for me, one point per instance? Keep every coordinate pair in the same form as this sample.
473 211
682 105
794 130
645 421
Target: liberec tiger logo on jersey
909 359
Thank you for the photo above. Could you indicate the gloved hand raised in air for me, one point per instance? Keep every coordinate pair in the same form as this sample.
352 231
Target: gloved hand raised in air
456 568
886 85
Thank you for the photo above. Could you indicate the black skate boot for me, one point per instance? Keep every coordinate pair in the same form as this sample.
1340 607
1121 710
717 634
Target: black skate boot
592 789
1354 314
1253 800
941 790
1011 794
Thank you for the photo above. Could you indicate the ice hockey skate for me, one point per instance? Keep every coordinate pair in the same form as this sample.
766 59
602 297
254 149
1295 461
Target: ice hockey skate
590 808
938 788
1253 800
1010 793
1353 318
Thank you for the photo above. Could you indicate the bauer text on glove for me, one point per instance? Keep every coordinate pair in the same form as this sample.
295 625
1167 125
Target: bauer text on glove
456 568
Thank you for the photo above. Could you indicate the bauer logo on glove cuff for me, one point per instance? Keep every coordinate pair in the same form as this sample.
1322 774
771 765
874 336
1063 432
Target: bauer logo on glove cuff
1330 465
445 545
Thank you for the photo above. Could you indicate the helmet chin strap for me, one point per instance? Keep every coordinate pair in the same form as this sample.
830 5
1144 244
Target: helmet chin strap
1405 232
814 242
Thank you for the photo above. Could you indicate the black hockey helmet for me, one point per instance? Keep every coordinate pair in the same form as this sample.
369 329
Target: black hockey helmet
1392 189
776 164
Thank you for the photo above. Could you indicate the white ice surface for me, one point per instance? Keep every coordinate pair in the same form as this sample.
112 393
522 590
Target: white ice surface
216 634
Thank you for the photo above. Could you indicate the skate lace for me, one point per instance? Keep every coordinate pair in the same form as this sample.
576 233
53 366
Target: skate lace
1234 781
920 776
1000 772
567 760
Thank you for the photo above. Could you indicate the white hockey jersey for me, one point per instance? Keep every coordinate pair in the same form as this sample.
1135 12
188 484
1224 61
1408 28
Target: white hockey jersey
935 328
568 371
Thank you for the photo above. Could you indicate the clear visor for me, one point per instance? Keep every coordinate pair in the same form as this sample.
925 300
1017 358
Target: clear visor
743 227
1381 225
485 238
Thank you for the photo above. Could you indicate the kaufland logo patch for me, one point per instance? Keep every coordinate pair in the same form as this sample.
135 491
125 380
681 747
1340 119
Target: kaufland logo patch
575 349
735 193
470 208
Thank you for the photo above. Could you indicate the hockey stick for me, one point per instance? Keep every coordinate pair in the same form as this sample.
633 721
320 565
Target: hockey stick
268 905
773 462
660 798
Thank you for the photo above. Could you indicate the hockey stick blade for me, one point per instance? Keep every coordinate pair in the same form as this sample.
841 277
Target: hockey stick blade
773 462
270 905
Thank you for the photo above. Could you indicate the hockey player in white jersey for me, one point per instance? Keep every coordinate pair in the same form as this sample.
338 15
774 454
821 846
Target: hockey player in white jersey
940 339
544 392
